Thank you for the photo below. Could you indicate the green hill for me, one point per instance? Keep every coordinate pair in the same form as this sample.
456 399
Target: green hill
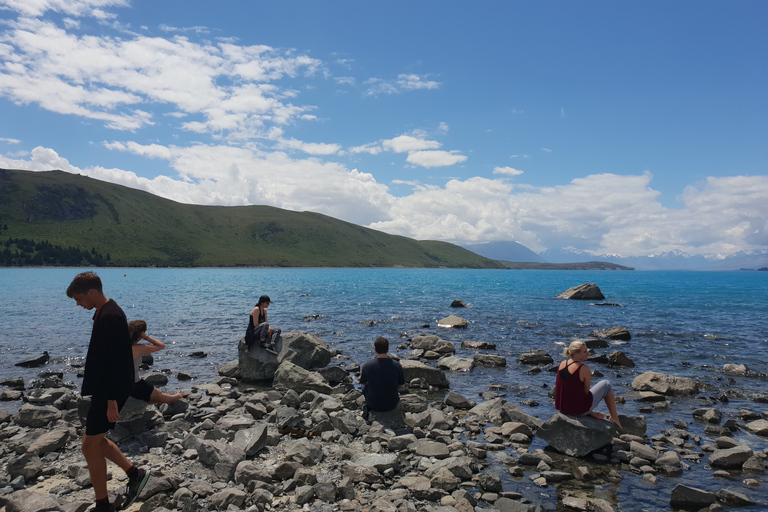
59 218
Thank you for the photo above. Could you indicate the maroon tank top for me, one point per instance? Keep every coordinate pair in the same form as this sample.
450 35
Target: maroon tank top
569 393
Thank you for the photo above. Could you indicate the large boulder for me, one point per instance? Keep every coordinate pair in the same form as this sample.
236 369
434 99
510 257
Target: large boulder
455 364
730 458
304 349
292 376
256 363
35 361
28 501
690 498
37 416
433 343
586 291
614 333
418 370
452 321
665 384
576 436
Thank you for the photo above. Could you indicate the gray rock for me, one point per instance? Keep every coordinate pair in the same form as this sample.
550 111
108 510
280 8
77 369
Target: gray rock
443 479
614 333
708 414
482 345
617 358
379 461
29 501
357 474
304 452
400 443
458 401
633 425
735 369
37 416
252 440
249 471
35 361
50 441
686 497
643 451
458 303
230 369
256 364
305 350
433 343
156 379
759 427
223 499
730 458
733 498
509 505
215 452
452 321
665 384
490 482
456 364
460 467
490 360
576 436
291 376
537 357
334 374
511 412
429 448
28 466
586 291
346 422
418 370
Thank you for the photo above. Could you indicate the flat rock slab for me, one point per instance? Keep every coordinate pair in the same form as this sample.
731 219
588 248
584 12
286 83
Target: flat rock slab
453 322
429 448
759 427
576 436
665 384
730 458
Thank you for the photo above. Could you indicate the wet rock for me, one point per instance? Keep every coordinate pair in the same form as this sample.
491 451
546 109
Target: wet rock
665 384
586 291
292 376
156 379
576 436
481 345
433 343
735 369
614 333
710 415
455 364
733 498
452 322
10 395
458 401
418 370
730 458
759 427
618 358
490 360
690 498
537 357
458 303
231 369
35 361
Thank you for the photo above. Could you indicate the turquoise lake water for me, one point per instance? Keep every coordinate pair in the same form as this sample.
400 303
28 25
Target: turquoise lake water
683 323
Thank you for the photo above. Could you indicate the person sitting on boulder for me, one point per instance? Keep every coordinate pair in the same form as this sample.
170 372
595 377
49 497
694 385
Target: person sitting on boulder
382 378
142 390
259 329
573 394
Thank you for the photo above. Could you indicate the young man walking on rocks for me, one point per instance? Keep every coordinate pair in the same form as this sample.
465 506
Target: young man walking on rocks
382 379
108 379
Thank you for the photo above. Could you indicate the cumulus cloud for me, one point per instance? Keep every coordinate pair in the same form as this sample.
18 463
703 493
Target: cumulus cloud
409 143
228 88
35 8
435 158
311 148
509 171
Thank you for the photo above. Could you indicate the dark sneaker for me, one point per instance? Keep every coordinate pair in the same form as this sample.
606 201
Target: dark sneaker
104 508
135 486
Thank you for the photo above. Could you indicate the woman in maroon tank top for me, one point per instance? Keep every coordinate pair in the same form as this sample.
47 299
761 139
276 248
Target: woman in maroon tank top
573 394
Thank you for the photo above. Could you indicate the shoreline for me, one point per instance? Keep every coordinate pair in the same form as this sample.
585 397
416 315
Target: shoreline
360 466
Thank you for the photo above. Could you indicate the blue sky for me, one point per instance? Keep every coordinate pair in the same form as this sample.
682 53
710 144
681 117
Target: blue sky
608 127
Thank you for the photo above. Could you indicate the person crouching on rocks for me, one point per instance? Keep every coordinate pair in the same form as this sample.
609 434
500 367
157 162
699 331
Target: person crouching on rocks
573 394
259 329
142 390
382 379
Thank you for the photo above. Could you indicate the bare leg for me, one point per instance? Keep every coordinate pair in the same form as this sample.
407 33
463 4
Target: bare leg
610 401
598 415
97 449
158 397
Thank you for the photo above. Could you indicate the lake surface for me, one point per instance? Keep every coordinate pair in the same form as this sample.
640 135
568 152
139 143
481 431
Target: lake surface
683 323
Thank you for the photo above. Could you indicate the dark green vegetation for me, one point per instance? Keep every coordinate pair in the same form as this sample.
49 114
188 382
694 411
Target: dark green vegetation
63 213
589 265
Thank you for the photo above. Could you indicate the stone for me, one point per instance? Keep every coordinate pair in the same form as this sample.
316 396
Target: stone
617 358
28 466
29 501
490 360
509 505
292 376
304 349
665 384
49 441
37 416
458 401
379 461
429 448
614 333
456 364
733 498
458 303
730 458
481 345
357 474
304 452
686 497
586 291
334 374
708 414
576 436
35 362
735 369
445 480
433 343
418 370
452 322
460 467
252 440
759 427
490 482
400 443
156 379
230 369
537 357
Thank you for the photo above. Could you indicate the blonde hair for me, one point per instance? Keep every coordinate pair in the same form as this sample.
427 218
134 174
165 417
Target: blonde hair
573 348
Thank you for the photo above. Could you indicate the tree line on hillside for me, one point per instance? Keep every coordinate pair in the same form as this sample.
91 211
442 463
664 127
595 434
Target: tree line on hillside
21 252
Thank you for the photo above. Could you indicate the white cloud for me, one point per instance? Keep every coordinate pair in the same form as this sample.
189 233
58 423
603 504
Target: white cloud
409 143
404 82
372 149
546 150
37 8
345 80
9 141
311 148
509 171
413 82
435 158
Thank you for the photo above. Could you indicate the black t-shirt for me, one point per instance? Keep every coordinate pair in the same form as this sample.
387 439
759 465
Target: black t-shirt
381 378
109 372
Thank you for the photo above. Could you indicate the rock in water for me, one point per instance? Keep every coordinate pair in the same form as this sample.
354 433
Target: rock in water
614 333
576 436
665 384
586 291
35 362
452 321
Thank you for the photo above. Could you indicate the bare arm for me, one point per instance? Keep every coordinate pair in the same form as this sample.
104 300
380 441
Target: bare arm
586 377
143 348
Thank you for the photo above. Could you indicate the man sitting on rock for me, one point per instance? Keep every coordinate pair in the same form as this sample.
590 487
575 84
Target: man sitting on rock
382 379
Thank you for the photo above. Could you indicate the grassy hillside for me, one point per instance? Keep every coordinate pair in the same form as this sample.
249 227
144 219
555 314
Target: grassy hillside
135 228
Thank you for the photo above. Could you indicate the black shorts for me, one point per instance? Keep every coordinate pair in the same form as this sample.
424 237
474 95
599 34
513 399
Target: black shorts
96 421
142 390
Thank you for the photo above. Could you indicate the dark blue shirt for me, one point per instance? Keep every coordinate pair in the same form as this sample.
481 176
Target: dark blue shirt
381 378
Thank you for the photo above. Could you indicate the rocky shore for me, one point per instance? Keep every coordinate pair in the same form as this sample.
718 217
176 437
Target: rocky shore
288 432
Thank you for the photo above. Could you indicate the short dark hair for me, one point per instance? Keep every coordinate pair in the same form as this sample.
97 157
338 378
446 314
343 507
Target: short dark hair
82 283
381 345
263 299
135 329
